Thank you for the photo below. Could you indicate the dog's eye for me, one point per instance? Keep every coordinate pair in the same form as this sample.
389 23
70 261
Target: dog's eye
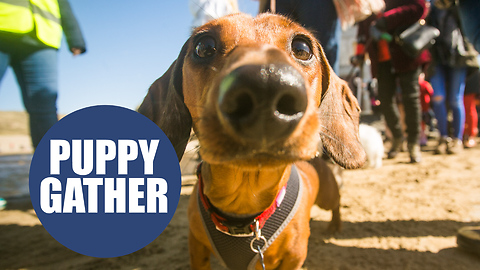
301 50
205 47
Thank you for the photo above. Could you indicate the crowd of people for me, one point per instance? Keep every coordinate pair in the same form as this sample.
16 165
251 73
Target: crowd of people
435 79
441 82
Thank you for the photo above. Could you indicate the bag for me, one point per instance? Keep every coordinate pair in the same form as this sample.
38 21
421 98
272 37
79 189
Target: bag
352 11
417 38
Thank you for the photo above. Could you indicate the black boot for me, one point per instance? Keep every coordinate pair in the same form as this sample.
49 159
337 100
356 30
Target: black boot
397 144
414 151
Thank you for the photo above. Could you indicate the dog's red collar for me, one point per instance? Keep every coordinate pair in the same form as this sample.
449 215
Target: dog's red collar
232 225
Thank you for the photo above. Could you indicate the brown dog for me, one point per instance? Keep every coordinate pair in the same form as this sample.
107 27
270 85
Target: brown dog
261 96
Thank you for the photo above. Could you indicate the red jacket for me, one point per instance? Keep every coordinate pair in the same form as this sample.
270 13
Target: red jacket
426 93
399 15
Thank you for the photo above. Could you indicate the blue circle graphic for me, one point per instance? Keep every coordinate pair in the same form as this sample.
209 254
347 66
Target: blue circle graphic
101 185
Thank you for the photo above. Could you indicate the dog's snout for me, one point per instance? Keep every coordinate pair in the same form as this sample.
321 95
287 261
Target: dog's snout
263 102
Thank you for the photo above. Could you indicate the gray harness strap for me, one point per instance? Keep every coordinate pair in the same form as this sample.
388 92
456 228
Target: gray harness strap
234 251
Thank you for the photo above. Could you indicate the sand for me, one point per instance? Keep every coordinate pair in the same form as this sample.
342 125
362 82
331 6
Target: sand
401 216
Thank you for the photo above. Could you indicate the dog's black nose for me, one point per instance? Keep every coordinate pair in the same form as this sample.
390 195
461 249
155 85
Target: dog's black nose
263 102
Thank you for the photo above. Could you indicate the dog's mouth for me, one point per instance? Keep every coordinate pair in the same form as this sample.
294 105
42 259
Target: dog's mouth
255 159
269 158
225 149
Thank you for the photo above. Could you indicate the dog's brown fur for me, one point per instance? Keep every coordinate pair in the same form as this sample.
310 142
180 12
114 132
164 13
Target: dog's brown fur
241 178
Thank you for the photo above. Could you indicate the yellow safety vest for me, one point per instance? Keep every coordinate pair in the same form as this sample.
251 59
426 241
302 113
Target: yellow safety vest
22 16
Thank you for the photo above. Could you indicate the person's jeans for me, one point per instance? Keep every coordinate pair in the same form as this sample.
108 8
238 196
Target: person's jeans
469 15
454 92
36 73
410 90
319 16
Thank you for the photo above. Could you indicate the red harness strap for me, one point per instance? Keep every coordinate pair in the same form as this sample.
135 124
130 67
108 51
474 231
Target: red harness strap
225 224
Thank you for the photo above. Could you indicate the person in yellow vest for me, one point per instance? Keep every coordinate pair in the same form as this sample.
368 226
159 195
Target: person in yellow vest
30 35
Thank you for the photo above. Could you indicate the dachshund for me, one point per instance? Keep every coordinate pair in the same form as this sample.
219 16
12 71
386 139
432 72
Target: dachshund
263 101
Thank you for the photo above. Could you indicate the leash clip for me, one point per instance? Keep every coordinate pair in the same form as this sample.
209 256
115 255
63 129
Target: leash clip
258 237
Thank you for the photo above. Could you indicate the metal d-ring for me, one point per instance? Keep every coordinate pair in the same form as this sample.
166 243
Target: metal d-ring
258 236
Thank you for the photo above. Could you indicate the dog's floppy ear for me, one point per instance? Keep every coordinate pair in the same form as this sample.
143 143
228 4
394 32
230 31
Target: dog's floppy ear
339 115
164 105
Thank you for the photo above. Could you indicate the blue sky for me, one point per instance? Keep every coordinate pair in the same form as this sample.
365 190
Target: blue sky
129 45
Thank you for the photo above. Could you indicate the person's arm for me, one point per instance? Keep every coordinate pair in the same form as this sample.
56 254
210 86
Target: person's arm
363 40
404 15
429 89
71 28
363 34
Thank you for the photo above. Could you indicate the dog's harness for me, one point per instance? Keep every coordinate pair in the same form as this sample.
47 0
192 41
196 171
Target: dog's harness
240 242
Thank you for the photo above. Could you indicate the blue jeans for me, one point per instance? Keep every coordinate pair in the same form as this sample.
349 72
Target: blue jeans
469 14
455 77
319 16
36 72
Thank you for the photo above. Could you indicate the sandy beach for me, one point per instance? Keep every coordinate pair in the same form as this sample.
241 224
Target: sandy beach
401 216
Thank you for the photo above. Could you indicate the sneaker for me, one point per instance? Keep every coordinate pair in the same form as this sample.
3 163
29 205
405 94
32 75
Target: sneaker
454 146
397 144
469 142
468 239
442 145
414 151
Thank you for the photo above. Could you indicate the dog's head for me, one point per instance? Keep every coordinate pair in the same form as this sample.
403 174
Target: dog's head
259 91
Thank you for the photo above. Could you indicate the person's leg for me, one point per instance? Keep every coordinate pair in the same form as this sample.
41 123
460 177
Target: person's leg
287 8
455 100
37 76
439 105
468 101
438 100
386 96
4 63
413 113
321 17
455 90
471 120
474 115
411 100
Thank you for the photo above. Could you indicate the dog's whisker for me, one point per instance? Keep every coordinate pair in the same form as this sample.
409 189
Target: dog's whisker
346 149
326 132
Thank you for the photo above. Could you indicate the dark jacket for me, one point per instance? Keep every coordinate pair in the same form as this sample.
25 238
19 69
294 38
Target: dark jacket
451 47
29 41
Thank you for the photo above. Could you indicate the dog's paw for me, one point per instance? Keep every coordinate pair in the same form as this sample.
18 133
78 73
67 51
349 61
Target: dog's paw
335 225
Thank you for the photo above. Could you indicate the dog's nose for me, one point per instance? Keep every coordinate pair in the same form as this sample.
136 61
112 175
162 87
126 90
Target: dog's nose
263 102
